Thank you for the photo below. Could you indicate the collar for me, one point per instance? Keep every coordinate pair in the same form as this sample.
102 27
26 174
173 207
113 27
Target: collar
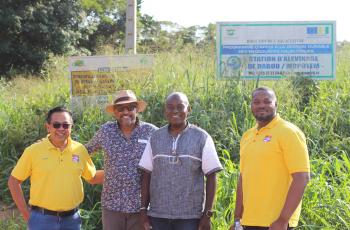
188 125
271 124
137 123
51 146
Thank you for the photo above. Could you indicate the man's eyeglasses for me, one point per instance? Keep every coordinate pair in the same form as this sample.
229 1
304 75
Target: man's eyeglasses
57 125
121 108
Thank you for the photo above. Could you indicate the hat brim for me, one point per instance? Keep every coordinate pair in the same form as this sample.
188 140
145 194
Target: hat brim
141 105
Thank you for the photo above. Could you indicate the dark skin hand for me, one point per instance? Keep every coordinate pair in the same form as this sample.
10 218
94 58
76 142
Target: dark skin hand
204 223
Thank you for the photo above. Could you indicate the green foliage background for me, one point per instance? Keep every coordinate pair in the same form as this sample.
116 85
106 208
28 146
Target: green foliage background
320 109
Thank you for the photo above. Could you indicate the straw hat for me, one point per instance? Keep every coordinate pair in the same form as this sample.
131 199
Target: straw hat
126 97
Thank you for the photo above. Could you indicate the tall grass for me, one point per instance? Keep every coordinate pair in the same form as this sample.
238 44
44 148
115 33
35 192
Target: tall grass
320 109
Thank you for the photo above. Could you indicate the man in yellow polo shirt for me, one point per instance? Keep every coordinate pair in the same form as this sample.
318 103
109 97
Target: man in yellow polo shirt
274 169
55 166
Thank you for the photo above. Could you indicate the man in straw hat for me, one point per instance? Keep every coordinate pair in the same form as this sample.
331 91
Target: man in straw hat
123 142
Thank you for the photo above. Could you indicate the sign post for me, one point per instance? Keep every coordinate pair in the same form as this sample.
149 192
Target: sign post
130 28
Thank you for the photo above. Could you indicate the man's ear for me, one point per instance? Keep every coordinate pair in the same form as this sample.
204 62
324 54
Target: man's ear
189 109
47 126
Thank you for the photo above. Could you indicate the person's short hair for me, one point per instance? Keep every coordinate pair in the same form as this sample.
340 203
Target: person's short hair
264 88
181 95
58 109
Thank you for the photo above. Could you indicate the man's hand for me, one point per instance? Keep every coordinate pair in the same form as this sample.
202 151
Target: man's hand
204 223
233 227
146 225
98 178
279 224
26 215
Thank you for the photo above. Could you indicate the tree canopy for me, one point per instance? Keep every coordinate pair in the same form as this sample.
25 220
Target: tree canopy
32 30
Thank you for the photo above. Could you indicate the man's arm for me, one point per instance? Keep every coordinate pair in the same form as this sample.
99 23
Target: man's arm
95 142
210 189
145 197
294 196
17 195
239 202
98 178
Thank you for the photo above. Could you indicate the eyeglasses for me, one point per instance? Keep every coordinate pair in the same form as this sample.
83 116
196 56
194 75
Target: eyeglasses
121 108
57 125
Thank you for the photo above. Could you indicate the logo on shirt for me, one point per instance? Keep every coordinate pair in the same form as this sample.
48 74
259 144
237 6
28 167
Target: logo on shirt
75 158
267 138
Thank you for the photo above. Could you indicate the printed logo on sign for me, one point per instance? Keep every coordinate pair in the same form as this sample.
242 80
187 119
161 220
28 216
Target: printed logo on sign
143 61
317 30
234 62
231 32
75 158
78 63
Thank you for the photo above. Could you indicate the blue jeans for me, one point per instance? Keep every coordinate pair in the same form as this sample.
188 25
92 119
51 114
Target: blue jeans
260 228
174 224
40 221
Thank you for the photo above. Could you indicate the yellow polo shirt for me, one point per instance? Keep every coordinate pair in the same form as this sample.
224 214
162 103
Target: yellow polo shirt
268 157
55 176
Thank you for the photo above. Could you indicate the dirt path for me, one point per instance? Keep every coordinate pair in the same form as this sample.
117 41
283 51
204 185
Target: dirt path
7 212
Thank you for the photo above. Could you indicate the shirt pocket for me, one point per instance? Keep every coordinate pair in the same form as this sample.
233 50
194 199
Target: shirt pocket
195 164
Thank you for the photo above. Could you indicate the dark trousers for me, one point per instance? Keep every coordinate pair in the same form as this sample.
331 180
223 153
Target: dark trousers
174 224
260 228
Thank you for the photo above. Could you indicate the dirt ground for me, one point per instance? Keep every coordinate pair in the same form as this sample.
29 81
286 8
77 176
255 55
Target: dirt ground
7 212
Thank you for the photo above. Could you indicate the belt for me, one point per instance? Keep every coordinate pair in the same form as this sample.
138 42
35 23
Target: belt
54 213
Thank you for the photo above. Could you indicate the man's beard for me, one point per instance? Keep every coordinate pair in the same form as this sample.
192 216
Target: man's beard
265 118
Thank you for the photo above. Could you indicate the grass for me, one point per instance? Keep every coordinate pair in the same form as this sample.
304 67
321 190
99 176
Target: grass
320 109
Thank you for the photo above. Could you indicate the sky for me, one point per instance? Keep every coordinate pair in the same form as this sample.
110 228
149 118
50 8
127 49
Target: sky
202 12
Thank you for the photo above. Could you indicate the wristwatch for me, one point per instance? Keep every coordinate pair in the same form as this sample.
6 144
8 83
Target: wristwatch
208 213
238 225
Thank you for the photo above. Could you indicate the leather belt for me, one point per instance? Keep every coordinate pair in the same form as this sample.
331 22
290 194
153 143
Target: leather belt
54 213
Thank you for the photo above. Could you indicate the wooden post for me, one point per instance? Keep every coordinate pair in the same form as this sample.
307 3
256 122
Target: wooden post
130 29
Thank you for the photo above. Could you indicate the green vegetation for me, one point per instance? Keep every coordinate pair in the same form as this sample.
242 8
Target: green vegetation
320 109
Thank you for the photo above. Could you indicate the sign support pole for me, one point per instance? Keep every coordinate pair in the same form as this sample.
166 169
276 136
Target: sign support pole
130 28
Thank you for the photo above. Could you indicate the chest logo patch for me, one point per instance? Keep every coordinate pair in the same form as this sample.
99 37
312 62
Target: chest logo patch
75 158
267 138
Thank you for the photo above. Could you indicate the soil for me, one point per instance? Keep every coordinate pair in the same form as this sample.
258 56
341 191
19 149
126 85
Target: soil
8 212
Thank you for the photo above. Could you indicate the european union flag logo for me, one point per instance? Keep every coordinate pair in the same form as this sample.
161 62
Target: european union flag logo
311 30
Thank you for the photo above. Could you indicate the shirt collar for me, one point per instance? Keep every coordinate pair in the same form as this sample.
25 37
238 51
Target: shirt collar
51 146
188 125
137 123
271 124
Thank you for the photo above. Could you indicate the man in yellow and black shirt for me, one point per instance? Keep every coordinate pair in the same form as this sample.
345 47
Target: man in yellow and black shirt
274 169
55 166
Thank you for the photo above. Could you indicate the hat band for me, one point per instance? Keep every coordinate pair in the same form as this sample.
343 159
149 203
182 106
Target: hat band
123 99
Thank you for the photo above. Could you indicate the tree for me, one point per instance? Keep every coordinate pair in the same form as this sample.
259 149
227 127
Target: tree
31 30
105 22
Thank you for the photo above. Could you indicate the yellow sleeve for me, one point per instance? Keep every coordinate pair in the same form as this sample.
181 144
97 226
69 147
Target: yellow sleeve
23 168
242 141
89 167
295 151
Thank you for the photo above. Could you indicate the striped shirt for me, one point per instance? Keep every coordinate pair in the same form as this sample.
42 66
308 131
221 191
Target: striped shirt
177 167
